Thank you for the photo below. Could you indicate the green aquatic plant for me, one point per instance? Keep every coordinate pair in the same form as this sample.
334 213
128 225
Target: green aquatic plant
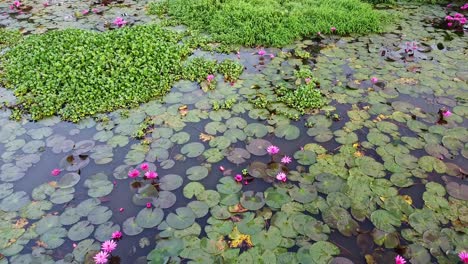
304 97
272 22
76 73
9 37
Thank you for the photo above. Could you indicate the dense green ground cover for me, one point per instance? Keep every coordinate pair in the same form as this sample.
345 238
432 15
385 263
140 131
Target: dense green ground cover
75 73
271 22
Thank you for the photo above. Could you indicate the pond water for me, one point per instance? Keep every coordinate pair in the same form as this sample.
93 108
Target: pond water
374 174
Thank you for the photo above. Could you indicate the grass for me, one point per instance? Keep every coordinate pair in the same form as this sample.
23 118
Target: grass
9 37
270 22
75 73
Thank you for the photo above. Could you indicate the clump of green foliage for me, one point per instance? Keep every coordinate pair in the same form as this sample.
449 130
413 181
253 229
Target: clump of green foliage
304 97
226 104
197 69
75 73
270 22
9 38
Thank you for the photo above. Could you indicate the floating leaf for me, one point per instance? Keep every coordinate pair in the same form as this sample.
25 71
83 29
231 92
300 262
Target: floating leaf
238 155
98 185
170 182
252 201
80 230
319 252
197 173
256 130
148 218
99 215
14 201
53 238
289 132
165 199
183 218
68 180
193 149
258 147
105 230
130 227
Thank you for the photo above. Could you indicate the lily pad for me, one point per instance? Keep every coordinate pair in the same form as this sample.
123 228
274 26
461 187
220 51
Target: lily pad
197 173
170 182
183 218
148 218
238 156
130 227
68 180
80 231
252 201
258 147
193 149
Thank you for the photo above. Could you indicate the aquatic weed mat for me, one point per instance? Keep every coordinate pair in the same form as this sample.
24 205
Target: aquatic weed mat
377 173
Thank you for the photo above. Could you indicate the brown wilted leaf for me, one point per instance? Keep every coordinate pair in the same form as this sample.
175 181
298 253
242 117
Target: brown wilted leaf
205 137
20 223
183 110
41 243
53 184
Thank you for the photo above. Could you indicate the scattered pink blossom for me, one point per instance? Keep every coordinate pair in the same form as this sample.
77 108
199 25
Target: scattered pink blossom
119 22
463 255
333 29
121 209
210 77
307 80
74 245
101 257
319 34
462 20
374 80
17 4
261 52
238 178
46 4
116 235
115 183
458 15
281 176
449 24
133 173
448 18
144 166
85 12
446 113
286 160
148 205
238 55
464 7
151 175
12 7
272 150
272 56
56 172
221 168
95 10
109 246
246 182
399 260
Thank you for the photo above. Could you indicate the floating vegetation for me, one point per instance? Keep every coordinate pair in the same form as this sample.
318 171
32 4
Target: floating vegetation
75 73
250 170
271 23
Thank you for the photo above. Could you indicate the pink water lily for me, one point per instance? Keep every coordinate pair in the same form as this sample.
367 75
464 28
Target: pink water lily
307 80
374 80
119 22
446 113
133 173
148 205
56 172
281 176
463 255
333 29
85 12
272 56
261 52
144 166
399 260
286 160
121 209
210 77
116 235
464 7
151 175
449 24
46 4
109 246
101 257
238 178
17 4
272 150
221 168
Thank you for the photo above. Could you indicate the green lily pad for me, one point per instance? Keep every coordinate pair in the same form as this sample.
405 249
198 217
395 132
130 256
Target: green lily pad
319 252
268 240
305 157
14 201
100 214
183 218
287 131
252 201
170 182
200 209
104 231
193 149
80 231
165 199
385 220
258 147
197 173
238 155
130 227
98 185
149 218
256 130
54 237
68 180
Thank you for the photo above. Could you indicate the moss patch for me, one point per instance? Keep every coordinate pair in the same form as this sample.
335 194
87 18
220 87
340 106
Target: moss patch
270 22
76 73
